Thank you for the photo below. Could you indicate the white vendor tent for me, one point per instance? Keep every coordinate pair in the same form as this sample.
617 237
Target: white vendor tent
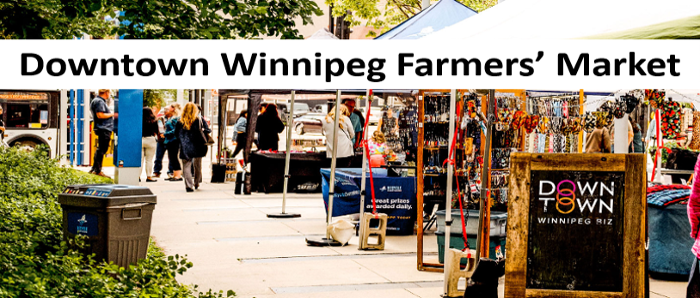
566 19
323 34
433 19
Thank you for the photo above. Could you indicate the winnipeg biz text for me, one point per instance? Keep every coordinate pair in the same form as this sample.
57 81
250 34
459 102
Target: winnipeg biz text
259 64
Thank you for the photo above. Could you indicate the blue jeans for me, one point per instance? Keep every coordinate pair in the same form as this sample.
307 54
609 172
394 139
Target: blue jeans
158 164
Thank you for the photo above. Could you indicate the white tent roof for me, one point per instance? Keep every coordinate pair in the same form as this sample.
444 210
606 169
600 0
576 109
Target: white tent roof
323 34
553 19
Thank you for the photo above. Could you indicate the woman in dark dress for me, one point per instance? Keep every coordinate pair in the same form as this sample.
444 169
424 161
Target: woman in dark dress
268 127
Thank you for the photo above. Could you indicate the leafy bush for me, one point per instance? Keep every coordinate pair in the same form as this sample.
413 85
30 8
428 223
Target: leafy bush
36 262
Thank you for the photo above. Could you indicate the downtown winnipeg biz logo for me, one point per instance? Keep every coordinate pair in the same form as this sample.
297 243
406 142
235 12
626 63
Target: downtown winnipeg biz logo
569 202
82 228
391 188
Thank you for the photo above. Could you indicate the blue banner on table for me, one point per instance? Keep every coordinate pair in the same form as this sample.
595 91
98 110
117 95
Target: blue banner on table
396 196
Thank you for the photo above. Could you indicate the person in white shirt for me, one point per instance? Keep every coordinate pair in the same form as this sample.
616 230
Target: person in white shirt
345 152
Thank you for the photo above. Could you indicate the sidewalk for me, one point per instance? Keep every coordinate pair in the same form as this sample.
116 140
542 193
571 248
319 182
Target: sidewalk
233 245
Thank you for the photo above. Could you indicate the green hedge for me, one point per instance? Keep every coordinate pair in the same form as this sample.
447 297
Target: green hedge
36 262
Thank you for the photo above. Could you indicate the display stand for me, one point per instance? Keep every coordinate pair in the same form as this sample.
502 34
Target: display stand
519 96
436 129
420 173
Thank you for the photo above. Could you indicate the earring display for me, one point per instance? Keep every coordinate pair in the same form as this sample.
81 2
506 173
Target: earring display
435 146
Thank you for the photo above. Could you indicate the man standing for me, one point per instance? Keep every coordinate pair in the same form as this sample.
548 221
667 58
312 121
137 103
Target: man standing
103 120
358 122
160 146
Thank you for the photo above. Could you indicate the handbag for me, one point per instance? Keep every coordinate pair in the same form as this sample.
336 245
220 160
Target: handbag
208 140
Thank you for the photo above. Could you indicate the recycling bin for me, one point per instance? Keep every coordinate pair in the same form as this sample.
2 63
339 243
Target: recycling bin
115 218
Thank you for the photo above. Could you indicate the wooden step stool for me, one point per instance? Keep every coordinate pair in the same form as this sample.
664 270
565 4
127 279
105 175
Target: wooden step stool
454 258
366 231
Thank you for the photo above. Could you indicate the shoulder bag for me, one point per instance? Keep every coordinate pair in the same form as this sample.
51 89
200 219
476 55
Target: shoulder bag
208 140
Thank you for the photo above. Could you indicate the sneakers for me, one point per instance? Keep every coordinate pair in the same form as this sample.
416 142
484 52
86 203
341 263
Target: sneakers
151 180
156 175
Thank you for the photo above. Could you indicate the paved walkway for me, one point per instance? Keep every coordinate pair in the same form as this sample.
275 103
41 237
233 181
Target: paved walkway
233 245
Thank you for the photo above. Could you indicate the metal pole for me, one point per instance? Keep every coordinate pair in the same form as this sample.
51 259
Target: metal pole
485 170
363 183
290 119
448 190
289 146
333 163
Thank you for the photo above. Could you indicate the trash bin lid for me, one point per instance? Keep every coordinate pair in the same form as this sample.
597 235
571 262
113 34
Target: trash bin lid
105 195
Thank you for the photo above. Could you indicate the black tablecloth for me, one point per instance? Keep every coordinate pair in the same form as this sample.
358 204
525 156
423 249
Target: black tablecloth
267 170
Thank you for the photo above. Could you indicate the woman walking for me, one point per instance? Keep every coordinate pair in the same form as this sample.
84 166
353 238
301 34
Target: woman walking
191 132
149 133
268 126
240 129
345 151
172 143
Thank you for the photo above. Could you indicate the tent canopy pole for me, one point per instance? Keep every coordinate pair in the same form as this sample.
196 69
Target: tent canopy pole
328 241
290 119
485 170
448 190
331 192
363 183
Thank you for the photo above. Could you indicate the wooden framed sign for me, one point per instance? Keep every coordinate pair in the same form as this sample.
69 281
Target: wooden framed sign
576 226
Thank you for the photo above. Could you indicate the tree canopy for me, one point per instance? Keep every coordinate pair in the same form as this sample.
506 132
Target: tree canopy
157 97
369 12
159 19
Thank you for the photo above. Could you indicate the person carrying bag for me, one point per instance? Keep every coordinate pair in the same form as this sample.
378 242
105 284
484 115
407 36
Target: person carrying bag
192 131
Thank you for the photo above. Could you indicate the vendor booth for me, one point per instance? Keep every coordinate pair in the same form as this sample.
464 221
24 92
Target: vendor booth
268 179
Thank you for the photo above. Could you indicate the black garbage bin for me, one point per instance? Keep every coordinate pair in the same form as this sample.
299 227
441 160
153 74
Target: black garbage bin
115 218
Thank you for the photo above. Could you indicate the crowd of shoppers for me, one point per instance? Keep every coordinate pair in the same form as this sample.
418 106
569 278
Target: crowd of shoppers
182 134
